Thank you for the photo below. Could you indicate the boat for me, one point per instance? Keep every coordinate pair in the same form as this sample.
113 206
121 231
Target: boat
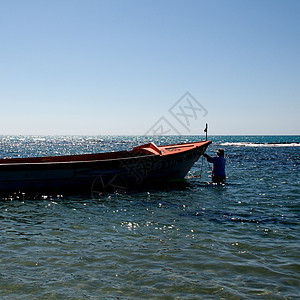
100 172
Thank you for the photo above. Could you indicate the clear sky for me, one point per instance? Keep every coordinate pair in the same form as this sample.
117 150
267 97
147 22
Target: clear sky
117 67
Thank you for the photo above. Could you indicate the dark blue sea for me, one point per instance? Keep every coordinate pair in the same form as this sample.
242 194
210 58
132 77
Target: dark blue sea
194 240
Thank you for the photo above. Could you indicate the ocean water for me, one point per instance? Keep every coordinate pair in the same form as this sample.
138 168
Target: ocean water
191 241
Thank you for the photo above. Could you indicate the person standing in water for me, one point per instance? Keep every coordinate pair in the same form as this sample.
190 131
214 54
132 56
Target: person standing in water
218 172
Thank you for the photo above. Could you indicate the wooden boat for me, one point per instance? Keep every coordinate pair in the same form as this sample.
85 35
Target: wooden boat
102 171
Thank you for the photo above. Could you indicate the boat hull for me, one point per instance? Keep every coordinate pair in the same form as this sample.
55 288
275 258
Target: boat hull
94 176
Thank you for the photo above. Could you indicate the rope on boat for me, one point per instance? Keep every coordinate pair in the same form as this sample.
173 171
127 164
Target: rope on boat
205 130
201 167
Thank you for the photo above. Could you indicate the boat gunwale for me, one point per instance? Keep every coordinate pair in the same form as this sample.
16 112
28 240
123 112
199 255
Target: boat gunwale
185 144
73 162
76 161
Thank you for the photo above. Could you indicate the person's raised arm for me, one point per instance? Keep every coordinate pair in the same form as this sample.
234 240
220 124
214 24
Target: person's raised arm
209 159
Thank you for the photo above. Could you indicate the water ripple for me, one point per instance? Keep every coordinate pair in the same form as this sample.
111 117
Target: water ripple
197 241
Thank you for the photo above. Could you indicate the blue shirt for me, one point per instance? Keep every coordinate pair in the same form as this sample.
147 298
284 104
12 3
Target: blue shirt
219 165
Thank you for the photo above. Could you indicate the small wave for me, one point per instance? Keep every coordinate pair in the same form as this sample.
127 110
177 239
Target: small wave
248 144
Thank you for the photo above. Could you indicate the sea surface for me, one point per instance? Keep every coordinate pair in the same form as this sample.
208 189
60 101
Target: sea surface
194 240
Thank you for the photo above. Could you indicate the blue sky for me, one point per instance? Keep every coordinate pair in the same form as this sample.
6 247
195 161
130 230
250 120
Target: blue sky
117 67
